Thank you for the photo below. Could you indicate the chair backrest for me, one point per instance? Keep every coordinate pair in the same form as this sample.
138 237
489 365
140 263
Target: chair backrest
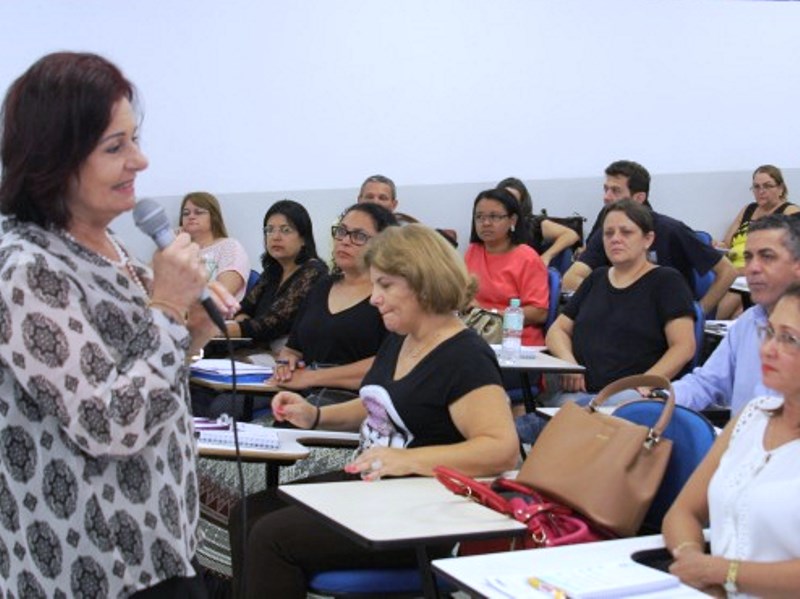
699 334
701 283
562 260
252 280
692 436
554 281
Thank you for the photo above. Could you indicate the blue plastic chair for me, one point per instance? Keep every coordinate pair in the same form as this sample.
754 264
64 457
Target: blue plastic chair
381 582
702 283
252 280
692 436
562 261
699 335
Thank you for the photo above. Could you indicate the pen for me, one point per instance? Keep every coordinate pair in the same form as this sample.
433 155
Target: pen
546 587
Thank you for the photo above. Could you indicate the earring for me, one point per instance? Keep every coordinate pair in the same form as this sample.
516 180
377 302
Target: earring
513 228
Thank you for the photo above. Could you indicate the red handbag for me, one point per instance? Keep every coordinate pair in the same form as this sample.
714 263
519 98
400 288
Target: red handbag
549 523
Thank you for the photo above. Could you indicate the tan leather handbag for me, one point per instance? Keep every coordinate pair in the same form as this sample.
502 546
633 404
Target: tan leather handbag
487 324
604 467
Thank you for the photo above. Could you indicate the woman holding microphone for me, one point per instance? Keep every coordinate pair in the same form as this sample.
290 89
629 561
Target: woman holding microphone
99 486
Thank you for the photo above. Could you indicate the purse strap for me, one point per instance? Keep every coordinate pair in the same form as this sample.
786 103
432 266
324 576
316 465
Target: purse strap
662 389
461 484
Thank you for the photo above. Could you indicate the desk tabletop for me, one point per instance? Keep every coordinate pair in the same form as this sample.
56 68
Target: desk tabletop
542 362
294 445
472 574
740 285
400 512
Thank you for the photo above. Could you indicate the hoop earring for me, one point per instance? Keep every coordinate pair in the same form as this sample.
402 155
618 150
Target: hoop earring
513 228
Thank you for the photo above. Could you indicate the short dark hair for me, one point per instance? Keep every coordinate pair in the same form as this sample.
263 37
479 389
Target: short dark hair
53 117
379 179
511 205
788 223
641 216
299 218
637 175
524 195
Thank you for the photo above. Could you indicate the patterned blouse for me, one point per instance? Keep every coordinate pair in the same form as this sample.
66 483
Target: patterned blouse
98 490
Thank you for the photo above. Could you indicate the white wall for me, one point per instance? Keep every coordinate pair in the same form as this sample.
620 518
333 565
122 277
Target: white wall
259 100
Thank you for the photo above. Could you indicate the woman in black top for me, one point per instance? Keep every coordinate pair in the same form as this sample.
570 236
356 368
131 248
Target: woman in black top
290 266
433 396
336 326
547 237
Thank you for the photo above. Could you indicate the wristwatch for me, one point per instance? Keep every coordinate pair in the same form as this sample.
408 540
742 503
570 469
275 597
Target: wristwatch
730 578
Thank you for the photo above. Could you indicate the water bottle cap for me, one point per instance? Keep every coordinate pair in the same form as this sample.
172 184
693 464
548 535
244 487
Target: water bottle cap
515 302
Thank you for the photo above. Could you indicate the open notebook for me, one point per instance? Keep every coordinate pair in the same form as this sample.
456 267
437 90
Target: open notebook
220 371
218 433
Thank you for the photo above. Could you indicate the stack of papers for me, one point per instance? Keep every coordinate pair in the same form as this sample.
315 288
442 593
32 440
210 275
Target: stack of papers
221 371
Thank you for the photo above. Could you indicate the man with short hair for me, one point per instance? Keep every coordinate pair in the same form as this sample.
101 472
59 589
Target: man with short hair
675 244
378 189
731 376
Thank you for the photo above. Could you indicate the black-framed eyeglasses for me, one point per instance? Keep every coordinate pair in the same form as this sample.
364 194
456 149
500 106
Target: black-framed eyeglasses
357 236
283 230
764 186
788 342
491 217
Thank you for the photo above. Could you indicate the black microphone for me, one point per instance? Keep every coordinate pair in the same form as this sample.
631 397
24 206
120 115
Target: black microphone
151 219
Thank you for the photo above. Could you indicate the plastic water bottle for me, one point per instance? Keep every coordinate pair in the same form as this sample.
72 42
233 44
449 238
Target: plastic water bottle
513 321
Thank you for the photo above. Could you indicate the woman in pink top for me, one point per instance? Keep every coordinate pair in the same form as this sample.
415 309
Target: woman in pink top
226 259
504 265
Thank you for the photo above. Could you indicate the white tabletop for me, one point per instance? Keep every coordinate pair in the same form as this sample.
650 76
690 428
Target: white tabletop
740 285
400 512
294 445
472 574
542 362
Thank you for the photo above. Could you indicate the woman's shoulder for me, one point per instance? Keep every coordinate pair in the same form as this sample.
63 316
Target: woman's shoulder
314 265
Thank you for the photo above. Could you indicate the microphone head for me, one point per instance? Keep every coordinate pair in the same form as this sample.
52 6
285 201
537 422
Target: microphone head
150 218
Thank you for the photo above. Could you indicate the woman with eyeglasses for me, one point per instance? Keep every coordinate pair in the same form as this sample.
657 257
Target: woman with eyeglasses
504 265
337 331
226 259
771 197
745 490
290 268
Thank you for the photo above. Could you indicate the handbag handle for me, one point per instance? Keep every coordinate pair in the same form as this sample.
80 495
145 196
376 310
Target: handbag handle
657 382
460 484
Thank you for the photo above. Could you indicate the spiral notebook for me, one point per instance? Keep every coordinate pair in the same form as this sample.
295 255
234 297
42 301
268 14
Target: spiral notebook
250 436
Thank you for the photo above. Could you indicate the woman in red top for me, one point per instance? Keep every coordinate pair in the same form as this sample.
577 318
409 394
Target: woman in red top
504 265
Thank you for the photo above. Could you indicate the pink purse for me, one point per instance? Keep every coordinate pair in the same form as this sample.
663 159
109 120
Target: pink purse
549 524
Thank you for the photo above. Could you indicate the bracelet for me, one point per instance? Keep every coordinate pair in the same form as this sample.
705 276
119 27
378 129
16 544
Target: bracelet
174 309
675 551
316 420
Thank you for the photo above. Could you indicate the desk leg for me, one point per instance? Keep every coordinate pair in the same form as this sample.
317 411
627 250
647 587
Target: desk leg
429 588
273 474
527 396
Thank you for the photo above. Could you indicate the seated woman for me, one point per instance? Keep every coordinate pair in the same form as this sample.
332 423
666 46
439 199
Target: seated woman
504 266
225 258
411 417
631 318
290 267
337 331
771 197
745 489
547 237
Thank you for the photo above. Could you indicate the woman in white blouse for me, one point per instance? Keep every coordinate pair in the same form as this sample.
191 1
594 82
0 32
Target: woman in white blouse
226 259
748 485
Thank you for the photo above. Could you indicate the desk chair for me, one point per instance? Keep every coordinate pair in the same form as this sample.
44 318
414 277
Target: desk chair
699 335
364 583
252 280
701 283
562 261
692 436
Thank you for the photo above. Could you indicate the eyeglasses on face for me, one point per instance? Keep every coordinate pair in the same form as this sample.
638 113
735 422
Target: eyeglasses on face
357 236
283 230
788 342
196 211
764 186
491 217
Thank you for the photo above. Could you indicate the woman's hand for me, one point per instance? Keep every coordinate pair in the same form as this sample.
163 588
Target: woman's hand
291 407
178 273
381 461
285 366
700 570
573 383
201 327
